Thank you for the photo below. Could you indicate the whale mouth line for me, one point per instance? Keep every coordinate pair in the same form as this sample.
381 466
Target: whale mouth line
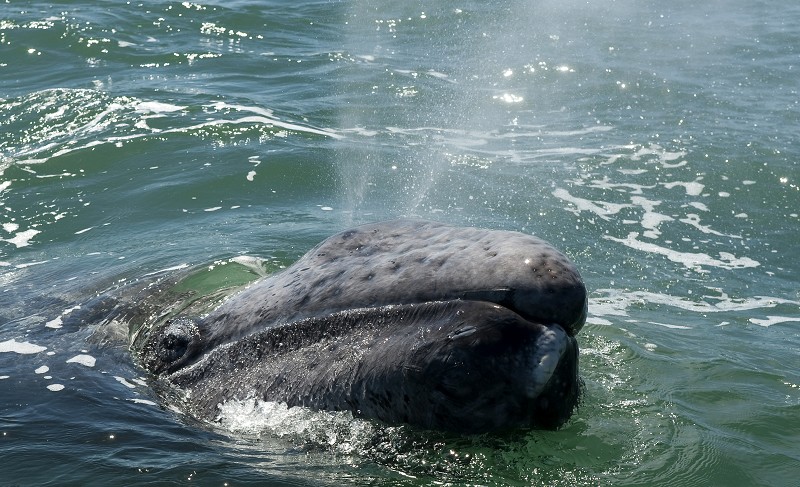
499 297
296 330
507 298
504 296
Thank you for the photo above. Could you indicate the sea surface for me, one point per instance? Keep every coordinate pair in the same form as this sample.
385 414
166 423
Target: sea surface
655 142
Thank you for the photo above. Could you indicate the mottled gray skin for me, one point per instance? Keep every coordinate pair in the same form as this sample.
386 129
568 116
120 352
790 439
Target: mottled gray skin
403 321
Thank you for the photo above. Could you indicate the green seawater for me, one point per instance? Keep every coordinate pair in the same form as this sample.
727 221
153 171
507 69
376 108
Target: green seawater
655 143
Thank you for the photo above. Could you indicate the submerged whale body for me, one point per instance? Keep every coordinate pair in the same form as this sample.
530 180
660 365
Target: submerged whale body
406 321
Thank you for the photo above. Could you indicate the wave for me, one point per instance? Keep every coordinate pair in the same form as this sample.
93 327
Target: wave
606 305
51 123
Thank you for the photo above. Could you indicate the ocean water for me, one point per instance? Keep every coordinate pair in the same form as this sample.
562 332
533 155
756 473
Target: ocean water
655 143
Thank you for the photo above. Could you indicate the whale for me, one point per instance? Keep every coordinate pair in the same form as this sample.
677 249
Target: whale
405 321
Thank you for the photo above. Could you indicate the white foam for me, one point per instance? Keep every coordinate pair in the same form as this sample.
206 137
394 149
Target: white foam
601 208
30 264
593 320
124 382
651 219
23 348
508 98
691 260
693 219
663 156
156 107
339 429
255 264
145 110
22 239
54 323
774 320
142 401
42 369
167 269
668 325
267 117
615 302
606 183
83 359
55 387
693 188
438 75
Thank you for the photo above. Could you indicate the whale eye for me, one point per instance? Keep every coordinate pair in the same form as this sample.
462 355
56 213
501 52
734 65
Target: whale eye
172 345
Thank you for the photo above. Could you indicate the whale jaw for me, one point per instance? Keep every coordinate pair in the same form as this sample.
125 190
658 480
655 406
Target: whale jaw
465 366
482 369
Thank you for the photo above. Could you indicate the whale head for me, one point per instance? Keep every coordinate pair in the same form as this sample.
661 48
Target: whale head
406 321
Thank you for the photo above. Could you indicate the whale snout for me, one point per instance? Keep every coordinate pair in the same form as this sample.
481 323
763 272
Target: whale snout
478 367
